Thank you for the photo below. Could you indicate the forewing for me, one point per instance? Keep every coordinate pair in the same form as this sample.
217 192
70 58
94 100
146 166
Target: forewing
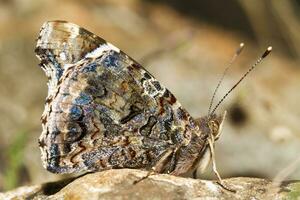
108 112
61 43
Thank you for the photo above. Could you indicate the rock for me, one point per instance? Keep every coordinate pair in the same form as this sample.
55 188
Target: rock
120 184
21 192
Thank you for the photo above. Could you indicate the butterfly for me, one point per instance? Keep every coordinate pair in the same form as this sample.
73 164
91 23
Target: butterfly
105 111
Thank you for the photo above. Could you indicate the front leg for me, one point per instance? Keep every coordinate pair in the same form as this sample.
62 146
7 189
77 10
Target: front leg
171 165
160 166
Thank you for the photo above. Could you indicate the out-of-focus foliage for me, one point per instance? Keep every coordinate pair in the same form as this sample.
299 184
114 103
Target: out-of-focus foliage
15 158
275 22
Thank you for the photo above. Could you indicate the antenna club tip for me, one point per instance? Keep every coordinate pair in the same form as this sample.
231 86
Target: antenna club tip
239 50
270 48
267 52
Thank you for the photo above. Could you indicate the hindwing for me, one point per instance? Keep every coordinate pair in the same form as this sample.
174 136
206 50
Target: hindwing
103 110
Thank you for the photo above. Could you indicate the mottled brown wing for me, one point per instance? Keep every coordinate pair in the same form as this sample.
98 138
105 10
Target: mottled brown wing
107 112
61 43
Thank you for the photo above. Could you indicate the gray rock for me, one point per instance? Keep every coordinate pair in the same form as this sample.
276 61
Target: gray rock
120 184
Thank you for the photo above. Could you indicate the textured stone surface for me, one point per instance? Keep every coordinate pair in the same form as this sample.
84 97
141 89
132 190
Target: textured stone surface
119 184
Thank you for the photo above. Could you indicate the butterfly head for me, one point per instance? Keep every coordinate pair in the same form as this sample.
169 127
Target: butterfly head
212 124
215 124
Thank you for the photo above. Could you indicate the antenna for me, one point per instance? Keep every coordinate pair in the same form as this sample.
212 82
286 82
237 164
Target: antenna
237 52
265 54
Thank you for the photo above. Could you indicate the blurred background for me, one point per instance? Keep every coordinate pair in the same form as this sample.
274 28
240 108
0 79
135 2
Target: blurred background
186 45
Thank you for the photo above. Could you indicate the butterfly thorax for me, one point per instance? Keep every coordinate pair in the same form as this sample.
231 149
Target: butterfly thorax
192 155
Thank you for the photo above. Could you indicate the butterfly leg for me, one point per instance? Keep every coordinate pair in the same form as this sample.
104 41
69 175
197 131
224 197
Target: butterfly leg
160 165
150 172
214 165
172 164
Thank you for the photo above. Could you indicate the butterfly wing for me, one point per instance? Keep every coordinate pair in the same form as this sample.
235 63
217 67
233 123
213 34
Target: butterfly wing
107 112
61 43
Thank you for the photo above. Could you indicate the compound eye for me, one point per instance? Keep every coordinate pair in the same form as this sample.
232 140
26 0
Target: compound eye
214 126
